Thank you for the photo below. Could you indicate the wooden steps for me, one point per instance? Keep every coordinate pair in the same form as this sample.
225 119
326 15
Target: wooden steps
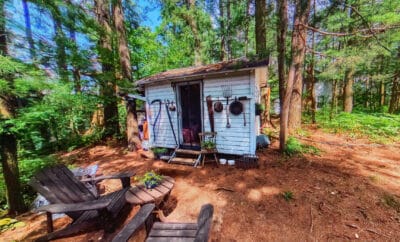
183 161
187 152
185 157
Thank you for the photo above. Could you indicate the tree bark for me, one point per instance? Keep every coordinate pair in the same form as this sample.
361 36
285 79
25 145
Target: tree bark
312 74
188 16
59 38
348 91
334 99
282 21
28 30
246 30
8 141
132 130
299 37
76 73
382 93
224 54
260 29
290 111
108 86
9 162
228 30
394 104
3 33
367 91
123 50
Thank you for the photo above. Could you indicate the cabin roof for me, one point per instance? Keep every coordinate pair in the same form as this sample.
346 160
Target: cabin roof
219 67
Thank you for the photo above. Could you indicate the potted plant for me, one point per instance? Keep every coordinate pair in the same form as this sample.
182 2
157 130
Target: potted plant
150 179
208 145
158 152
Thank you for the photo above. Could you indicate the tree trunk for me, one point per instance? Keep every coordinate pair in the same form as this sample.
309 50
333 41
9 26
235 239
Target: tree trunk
108 85
382 94
123 50
246 30
367 90
3 33
394 104
224 54
132 130
334 99
348 91
260 29
76 74
59 38
299 37
9 162
282 21
28 30
312 73
8 141
228 29
290 111
190 20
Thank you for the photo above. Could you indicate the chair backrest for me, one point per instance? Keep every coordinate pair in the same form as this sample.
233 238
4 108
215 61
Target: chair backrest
58 185
204 223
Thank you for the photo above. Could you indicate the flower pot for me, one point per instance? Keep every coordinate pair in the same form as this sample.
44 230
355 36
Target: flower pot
222 161
231 162
150 184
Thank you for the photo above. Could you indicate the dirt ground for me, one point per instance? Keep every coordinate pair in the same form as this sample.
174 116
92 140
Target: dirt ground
338 195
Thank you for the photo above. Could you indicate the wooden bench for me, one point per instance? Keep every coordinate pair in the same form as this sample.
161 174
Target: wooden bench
163 231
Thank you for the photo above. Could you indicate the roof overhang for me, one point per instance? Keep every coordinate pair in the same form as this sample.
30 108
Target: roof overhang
232 67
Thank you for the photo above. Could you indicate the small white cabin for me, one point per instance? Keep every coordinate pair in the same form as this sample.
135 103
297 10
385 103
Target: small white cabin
179 105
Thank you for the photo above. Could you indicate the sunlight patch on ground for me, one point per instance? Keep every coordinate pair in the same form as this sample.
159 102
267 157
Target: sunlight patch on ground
240 185
257 195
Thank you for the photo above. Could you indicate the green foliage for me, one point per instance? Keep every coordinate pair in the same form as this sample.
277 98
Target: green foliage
27 168
10 223
287 195
378 127
294 147
208 145
159 150
150 179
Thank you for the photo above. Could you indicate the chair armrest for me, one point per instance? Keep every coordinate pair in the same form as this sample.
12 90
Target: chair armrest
124 177
135 224
74 207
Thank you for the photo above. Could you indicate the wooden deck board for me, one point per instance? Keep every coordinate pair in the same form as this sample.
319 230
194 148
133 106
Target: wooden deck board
139 194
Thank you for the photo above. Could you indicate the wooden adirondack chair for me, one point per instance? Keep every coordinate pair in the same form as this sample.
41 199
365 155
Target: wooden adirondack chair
70 196
161 231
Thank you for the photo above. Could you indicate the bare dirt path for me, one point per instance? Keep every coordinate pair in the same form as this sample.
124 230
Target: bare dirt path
338 195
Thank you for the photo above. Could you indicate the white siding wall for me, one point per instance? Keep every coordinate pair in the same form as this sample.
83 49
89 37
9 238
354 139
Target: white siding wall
164 135
238 139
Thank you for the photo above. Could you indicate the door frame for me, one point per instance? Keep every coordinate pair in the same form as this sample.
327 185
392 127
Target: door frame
179 106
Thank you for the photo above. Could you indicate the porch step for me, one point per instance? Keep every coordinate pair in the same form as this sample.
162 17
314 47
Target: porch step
187 152
165 157
184 161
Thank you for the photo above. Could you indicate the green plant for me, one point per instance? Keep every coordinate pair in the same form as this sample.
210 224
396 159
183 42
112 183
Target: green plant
10 223
288 195
150 179
294 147
377 127
208 145
159 150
